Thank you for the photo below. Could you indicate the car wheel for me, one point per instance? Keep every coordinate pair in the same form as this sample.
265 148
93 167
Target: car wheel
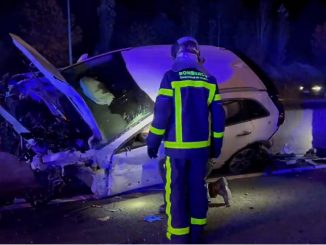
242 161
37 200
248 159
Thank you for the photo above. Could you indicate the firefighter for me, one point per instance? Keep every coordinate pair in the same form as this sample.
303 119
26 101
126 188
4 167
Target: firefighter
186 97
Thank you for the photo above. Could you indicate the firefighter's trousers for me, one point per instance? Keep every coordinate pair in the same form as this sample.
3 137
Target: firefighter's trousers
186 199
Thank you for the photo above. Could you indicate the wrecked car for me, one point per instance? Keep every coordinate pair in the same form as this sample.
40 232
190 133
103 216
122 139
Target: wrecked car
95 114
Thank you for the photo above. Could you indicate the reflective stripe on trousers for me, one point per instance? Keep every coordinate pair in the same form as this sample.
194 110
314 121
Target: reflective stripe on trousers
182 177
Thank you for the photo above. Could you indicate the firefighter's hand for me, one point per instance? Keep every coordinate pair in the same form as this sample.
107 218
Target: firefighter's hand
152 153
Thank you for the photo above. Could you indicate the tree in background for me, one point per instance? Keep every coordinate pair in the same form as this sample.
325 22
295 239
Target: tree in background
165 29
282 36
106 14
222 23
244 37
253 31
213 31
319 43
46 30
190 18
139 34
263 28
214 24
160 30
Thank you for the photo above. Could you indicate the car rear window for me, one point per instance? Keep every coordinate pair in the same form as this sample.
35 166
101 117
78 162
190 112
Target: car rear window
242 110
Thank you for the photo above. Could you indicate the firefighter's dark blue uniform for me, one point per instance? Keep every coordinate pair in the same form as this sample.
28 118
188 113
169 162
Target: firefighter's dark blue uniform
181 119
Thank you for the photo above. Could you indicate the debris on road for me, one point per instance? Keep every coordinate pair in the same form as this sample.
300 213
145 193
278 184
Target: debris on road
152 218
310 159
292 162
311 162
104 219
96 206
113 210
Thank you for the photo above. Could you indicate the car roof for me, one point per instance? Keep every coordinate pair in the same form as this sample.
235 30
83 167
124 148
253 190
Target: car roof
148 64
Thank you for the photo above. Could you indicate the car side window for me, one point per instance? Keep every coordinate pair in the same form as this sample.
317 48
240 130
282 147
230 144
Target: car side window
255 109
242 110
136 141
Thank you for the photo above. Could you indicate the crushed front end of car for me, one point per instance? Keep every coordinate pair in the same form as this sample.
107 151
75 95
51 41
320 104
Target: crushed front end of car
66 132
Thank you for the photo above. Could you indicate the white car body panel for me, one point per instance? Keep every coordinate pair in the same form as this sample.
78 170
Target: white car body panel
133 169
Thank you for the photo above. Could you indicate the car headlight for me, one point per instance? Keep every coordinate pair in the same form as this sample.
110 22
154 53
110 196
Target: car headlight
316 88
301 88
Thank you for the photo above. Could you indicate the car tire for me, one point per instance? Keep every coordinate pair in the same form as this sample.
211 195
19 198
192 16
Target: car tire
37 200
249 158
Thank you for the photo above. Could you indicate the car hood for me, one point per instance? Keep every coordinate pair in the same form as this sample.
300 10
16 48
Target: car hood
58 81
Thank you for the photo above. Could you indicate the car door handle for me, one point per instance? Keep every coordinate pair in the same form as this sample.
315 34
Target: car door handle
244 133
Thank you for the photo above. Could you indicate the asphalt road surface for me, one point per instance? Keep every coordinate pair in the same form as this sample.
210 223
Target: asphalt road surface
284 207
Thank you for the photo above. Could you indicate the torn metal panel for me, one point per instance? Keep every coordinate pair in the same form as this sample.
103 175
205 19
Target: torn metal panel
18 127
112 169
131 170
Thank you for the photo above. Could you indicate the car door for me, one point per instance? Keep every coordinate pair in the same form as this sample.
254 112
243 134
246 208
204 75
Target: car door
131 168
238 128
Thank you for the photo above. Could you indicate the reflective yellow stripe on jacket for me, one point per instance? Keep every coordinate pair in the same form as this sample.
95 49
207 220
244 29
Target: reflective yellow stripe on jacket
218 135
187 145
195 221
156 131
177 86
166 92
217 97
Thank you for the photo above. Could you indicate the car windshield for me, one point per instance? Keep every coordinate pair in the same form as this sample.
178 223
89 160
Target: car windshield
112 95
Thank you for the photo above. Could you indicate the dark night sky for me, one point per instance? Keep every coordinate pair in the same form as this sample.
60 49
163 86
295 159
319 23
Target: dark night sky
304 15
145 10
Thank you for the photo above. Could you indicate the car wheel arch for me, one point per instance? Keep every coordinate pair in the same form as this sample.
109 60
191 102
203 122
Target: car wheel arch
259 147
